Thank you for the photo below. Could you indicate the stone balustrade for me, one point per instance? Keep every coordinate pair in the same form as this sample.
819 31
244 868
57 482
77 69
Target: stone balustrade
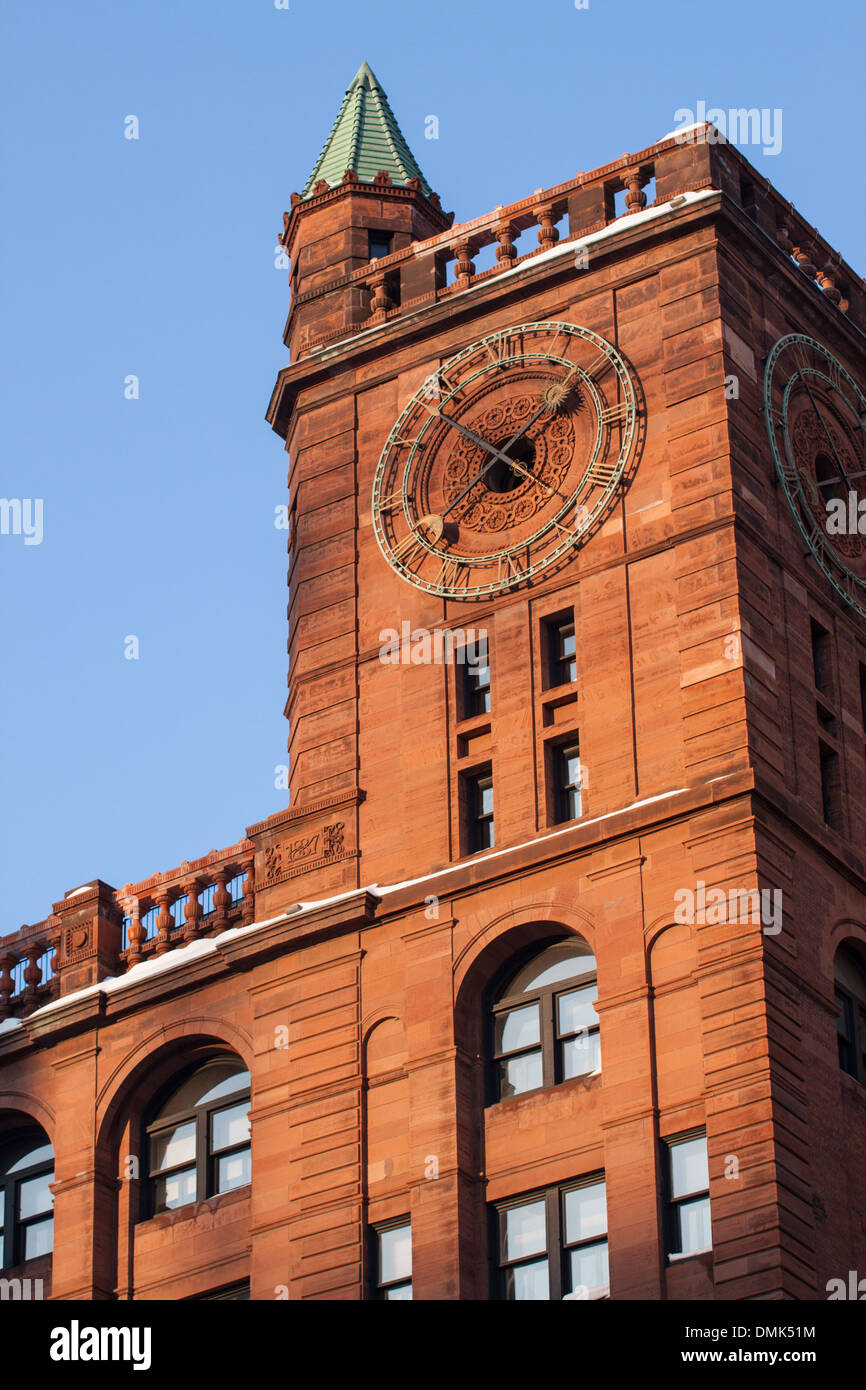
425 272
27 979
97 931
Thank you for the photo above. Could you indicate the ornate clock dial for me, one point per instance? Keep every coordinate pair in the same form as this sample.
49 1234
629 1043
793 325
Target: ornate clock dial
505 459
816 421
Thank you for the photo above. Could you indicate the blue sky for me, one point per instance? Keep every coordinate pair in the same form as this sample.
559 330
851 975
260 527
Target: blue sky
155 258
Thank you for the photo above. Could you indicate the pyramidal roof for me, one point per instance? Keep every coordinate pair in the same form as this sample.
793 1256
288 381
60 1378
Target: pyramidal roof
366 138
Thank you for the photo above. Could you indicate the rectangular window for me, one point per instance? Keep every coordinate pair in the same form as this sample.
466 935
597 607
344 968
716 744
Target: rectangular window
380 244
568 781
552 1245
846 1034
393 1261
822 658
688 1186
831 786
561 643
478 804
476 679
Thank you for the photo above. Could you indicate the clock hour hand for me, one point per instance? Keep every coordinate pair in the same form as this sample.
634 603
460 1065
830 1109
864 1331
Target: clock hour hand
518 468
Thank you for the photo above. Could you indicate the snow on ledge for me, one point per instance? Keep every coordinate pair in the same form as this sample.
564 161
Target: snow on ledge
562 248
536 840
172 960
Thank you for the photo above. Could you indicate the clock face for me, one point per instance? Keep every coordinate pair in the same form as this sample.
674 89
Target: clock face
816 421
505 459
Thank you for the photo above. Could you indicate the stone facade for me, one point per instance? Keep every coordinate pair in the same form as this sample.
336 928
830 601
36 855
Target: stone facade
352 976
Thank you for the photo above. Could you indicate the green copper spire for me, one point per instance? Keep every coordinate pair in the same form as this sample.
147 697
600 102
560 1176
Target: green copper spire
366 138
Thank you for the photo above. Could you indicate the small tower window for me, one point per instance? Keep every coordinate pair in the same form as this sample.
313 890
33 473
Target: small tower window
561 644
568 781
478 810
381 244
476 679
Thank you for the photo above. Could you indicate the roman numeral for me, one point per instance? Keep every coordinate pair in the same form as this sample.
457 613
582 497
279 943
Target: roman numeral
604 472
503 348
449 573
615 414
394 499
512 572
406 546
599 365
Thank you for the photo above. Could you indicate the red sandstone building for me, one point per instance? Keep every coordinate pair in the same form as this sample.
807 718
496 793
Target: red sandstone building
550 982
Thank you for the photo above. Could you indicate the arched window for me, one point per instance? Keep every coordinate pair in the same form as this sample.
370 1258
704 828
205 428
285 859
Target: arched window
26 1200
198 1140
850 972
545 1027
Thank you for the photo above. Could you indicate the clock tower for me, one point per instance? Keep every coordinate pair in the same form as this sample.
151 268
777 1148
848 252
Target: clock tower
549 982
573 659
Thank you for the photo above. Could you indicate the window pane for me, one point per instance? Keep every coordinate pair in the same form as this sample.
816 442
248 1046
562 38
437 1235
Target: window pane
402 1294
233 1171
395 1254
517 1029
485 837
689 1172
528 1283
519 1074
174 1191
39 1239
525 1230
571 759
211 1082
2 1206
173 1147
230 1127
27 1153
585 1212
581 1055
576 1011
34 1196
588 1268
485 797
695 1226
565 962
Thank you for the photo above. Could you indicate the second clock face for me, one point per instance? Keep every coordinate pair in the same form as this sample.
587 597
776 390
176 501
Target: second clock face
505 459
816 421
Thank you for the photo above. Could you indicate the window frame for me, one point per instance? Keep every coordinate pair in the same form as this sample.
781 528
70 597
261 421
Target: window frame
380 1287
560 667
672 1228
473 816
206 1157
563 789
13 1228
855 1007
375 234
558 1272
475 698
551 1040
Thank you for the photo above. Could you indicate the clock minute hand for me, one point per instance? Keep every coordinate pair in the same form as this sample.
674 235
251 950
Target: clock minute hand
842 474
